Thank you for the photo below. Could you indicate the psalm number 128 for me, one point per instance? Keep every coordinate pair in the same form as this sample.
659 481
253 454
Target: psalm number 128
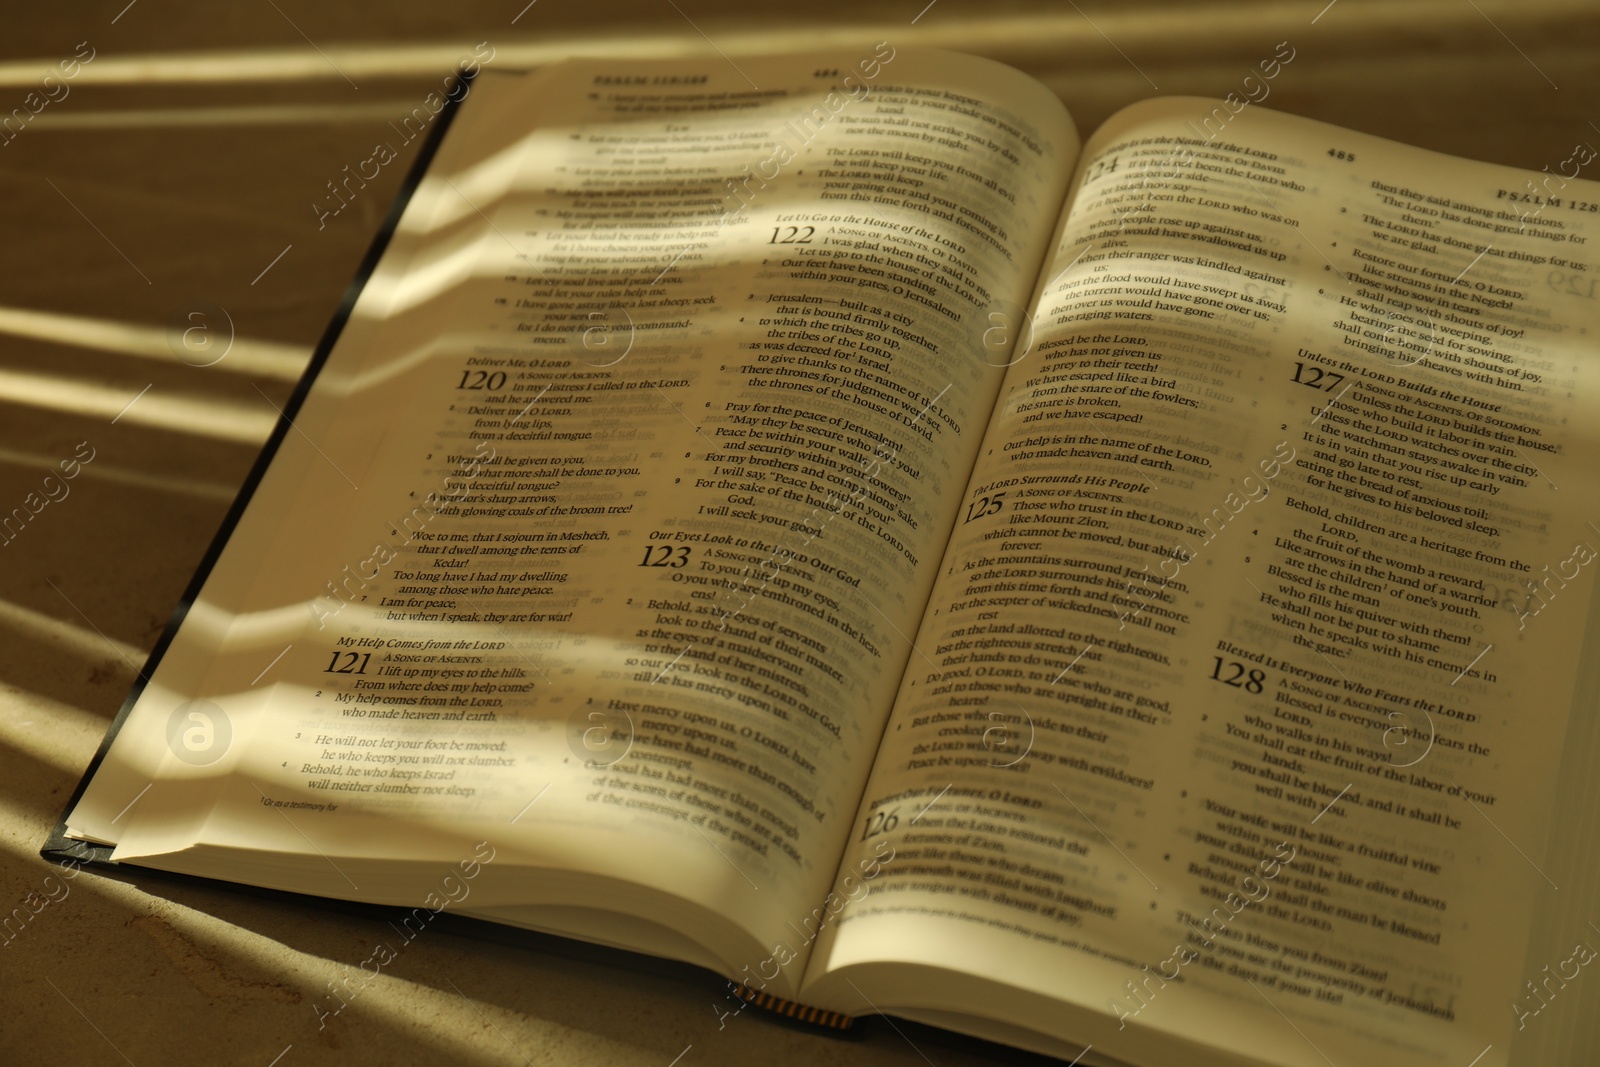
1232 672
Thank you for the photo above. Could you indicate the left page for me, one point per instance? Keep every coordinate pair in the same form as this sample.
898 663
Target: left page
598 536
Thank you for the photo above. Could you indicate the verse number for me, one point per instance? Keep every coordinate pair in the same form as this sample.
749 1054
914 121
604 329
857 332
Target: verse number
791 235
1250 681
984 506
1313 375
480 379
1339 153
880 823
347 663
673 556
1562 282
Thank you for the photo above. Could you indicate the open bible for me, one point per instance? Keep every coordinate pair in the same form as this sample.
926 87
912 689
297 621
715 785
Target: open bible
814 518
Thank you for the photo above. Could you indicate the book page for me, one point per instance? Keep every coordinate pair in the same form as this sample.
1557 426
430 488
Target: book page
599 534
1261 623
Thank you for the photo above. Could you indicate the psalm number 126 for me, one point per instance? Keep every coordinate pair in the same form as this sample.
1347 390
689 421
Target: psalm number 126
880 823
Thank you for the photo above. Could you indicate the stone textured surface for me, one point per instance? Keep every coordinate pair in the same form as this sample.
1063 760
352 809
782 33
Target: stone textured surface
185 159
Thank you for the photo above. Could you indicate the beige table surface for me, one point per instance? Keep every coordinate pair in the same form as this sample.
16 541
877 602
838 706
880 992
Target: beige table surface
180 172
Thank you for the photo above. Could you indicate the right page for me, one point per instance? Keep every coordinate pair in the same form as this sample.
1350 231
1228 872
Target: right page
1232 725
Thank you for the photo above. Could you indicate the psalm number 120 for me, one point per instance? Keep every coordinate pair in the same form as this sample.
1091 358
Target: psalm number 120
481 379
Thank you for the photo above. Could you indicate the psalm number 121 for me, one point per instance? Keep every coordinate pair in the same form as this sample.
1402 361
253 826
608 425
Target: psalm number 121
347 663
